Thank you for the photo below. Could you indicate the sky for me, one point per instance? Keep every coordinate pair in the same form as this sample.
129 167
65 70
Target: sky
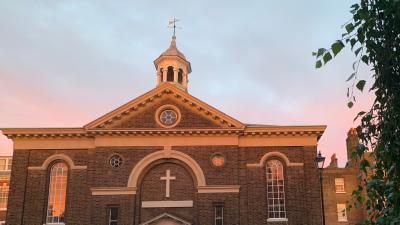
65 63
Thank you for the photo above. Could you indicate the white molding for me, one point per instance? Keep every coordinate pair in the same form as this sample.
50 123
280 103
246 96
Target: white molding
272 154
183 222
167 204
218 189
277 220
113 191
52 158
167 153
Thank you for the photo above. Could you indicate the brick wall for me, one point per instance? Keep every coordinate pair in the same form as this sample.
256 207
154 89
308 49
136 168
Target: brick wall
331 198
145 118
249 207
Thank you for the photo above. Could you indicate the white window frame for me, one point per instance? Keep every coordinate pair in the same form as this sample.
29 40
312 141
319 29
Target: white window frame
109 212
56 179
339 182
273 189
216 206
341 212
8 162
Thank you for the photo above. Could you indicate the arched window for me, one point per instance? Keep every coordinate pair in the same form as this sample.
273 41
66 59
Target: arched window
180 76
162 75
170 74
57 193
275 189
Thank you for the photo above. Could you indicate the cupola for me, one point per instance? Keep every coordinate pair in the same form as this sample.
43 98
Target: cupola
172 67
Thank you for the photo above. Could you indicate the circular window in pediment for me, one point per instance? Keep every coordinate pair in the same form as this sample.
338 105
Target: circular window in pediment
168 116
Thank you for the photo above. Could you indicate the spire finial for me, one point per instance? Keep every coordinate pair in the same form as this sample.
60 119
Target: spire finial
172 25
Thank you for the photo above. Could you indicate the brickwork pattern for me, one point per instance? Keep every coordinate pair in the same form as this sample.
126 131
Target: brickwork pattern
249 207
145 118
331 198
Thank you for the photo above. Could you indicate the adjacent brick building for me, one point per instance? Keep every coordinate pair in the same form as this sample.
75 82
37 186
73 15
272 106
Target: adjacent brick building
5 170
165 158
338 186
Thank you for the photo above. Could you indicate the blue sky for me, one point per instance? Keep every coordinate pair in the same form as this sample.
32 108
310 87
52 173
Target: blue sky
65 63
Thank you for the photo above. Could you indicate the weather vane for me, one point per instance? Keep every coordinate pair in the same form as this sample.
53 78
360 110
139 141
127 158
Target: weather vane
172 24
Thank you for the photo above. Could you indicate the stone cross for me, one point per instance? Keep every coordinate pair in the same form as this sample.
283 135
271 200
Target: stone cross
167 179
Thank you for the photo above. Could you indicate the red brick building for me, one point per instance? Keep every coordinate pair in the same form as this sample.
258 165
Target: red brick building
5 170
165 157
338 186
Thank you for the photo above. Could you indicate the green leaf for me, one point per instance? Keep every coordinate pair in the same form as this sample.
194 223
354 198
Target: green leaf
349 27
318 64
358 50
364 58
360 85
337 47
314 53
320 52
350 104
327 57
351 76
353 41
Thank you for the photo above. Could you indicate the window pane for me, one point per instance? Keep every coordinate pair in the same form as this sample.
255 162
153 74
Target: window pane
3 196
341 210
219 214
2 164
9 164
339 185
57 193
275 189
113 213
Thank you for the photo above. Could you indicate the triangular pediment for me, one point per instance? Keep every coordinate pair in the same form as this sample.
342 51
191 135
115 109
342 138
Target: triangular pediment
166 218
141 113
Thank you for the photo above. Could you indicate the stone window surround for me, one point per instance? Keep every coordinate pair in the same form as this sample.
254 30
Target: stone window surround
166 107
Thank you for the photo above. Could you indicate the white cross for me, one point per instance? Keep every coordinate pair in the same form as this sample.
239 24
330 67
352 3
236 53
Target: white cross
167 179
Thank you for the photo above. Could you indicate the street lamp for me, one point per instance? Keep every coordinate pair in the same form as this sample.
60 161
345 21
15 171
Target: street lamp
320 162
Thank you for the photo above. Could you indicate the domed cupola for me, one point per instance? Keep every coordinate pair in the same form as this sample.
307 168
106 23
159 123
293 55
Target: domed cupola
172 67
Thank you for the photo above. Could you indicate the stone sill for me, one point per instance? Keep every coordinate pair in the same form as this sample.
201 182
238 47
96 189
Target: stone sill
277 220
54 224
340 192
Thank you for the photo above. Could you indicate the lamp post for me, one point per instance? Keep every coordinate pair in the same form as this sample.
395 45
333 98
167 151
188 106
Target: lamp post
320 160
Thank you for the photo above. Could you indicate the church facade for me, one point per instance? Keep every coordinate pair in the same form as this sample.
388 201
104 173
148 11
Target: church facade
165 157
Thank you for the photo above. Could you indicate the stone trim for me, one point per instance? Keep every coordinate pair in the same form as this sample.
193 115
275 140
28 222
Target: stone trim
164 89
166 153
183 222
273 220
219 189
52 158
272 154
165 107
167 204
113 191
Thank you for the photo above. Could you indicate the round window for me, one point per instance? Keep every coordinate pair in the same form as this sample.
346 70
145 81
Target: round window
168 117
116 161
218 160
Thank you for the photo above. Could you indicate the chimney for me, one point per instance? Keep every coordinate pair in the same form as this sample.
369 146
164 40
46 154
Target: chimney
351 142
334 161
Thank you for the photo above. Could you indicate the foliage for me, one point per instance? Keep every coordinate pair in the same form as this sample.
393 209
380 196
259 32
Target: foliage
373 34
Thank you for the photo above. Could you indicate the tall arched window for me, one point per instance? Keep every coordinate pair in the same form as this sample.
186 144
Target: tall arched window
275 189
170 74
180 76
57 193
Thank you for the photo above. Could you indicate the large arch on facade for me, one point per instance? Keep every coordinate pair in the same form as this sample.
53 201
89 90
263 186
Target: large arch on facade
166 154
